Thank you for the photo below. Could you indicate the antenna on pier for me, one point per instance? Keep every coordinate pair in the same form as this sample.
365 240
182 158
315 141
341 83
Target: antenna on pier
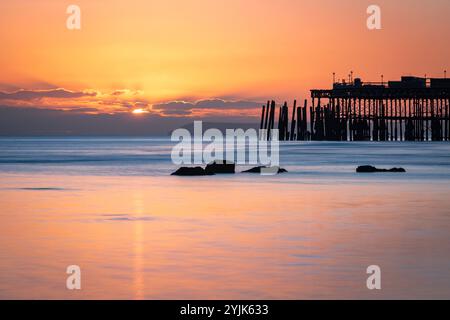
382 80
334 77
445 74
351 76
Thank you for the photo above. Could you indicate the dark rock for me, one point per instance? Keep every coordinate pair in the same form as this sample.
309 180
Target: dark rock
187 171
371 169
220 167
366 169
397 170
258 170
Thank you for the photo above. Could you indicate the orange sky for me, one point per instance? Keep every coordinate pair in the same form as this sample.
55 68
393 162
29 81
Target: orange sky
136 53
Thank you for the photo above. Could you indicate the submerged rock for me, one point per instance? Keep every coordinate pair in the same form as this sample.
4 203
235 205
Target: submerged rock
370 169
258 169
220 167
188 171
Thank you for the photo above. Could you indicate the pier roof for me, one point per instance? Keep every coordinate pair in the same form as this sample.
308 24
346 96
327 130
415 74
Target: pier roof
408 87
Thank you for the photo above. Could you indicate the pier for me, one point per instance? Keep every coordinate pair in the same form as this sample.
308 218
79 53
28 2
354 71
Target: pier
412 109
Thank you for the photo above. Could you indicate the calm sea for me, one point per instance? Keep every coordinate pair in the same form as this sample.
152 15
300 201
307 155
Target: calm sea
110 206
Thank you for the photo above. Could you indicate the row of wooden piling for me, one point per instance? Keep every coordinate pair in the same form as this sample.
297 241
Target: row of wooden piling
356 119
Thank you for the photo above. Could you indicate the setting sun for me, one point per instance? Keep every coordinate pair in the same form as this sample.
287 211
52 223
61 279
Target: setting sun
139 111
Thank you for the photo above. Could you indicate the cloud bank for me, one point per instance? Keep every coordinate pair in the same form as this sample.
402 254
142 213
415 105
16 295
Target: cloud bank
124 101
210 106
39 94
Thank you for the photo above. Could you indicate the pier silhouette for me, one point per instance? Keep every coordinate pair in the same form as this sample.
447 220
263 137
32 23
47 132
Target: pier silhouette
412 109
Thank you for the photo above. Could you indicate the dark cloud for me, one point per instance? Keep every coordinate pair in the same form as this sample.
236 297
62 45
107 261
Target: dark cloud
175 112
185 108
174 107
81 110
123 105
38 94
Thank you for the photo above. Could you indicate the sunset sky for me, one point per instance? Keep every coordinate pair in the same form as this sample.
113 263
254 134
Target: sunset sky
217 58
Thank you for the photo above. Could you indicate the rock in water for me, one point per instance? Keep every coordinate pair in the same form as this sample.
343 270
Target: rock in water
366 169
258 170
220 167
187 171
371 169
397 170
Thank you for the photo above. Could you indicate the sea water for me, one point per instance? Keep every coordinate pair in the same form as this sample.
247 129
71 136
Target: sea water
110 206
